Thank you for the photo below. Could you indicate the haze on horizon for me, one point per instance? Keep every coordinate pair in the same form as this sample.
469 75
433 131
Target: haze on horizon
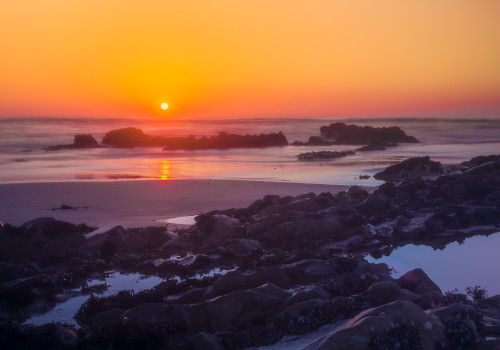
249 58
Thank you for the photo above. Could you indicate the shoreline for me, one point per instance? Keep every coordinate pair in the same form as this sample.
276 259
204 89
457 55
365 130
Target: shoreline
135 203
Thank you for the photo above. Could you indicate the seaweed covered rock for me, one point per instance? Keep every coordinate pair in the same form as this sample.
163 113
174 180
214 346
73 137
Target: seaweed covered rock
367 329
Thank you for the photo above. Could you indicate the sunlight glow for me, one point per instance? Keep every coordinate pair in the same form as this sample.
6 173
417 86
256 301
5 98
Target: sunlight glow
164 170
164 106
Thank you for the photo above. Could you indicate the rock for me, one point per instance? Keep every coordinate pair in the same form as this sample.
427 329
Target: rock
411 167
356 194
379 321
490 307
224 140
376 204
237 309
313 141
216 226
237 280
80 141
244 247
323 155
201 341
106 318
380 146
308 293
480 160
475 184
67 336
42 237
131 137
353 134
418 282
382 292
148 314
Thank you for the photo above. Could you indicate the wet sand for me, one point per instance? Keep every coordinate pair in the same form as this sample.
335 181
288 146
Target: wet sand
136 203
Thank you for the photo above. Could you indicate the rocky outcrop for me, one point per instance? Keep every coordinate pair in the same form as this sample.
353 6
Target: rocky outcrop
342 133
133 137
412 167
80 141
224 140
42 237
323 155
480 160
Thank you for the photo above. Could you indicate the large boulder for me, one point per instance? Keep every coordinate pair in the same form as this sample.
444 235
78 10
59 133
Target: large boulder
418 282
411 167
397 325
131 137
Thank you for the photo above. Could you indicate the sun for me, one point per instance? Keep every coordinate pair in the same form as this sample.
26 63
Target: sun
164 106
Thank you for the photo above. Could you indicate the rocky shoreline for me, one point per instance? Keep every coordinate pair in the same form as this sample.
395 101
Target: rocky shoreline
296 272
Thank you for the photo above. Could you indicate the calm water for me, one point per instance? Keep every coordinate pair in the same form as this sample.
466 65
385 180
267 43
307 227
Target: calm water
22 158
474 262
65 311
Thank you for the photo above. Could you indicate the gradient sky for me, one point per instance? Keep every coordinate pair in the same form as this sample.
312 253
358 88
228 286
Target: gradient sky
249 58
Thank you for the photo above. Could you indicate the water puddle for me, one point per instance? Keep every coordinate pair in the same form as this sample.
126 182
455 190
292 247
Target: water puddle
474 262
182 220
65 311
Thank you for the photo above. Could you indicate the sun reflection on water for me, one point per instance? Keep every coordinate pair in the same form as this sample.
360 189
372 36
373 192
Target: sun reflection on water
165 169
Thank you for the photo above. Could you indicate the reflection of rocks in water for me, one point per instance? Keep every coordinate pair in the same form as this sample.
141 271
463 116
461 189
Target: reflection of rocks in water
281 271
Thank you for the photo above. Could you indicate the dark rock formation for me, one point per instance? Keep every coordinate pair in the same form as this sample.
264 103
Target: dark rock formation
379 146
313 141
342 133
412 167
80 141
133 137
480 160
224 140
323 155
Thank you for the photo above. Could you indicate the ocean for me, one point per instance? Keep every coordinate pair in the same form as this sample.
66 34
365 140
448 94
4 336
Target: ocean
23 158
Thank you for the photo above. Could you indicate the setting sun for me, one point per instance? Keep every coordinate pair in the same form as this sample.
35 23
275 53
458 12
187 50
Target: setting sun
164 106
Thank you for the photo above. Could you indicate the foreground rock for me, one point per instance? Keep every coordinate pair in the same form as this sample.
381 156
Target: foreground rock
80 141
411 168
133 137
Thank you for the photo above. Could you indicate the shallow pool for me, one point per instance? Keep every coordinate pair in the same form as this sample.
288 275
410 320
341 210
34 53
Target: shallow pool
474 262
65 311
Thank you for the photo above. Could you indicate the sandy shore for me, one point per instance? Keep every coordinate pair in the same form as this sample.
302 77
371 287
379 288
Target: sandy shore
136 203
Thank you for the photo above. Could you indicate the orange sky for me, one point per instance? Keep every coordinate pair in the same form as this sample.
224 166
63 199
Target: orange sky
249 58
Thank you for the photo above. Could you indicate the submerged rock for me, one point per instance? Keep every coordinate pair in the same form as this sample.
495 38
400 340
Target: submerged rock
323 155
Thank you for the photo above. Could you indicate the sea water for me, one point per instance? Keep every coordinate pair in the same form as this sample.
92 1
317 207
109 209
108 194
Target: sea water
23 158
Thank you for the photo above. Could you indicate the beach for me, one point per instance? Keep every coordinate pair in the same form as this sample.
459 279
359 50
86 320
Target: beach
136 203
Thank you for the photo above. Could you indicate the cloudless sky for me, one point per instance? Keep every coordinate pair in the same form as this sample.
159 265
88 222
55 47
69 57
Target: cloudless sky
249 58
